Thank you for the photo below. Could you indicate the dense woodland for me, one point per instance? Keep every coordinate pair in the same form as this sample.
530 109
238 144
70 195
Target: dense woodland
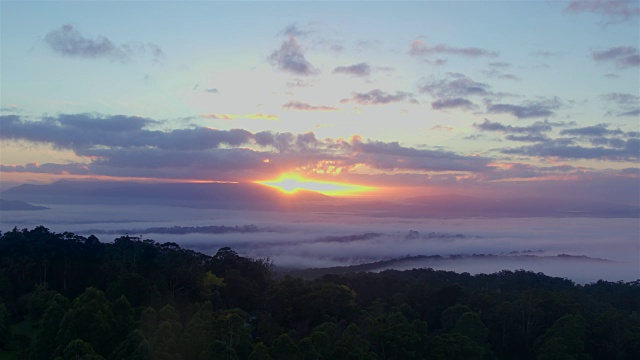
65 296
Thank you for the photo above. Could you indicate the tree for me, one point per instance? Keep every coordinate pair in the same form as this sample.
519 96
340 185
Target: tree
260 352
89 319
563 340
284 348
79 350
471 326
45 345
5 328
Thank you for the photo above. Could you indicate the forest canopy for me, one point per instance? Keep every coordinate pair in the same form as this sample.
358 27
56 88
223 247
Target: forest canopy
66 296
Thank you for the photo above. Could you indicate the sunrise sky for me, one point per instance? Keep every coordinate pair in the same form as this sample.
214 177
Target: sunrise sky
431 97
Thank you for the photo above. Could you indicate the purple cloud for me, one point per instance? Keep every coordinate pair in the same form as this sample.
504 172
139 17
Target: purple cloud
378 97
68 41
628 104
455 85
361 69
454 103
595 130
293 30
391 156
290 58
614 10
537 128
558 148
297 105
534 109
124 146
622 56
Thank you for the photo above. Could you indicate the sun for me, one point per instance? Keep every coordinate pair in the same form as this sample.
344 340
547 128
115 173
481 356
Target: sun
292 183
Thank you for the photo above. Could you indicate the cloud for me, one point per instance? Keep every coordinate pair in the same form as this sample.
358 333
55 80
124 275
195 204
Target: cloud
455 85
635 112
629 150
290 58
293 30
83 132
496 71
527 138
420 48
535 129
12 108
129 147
392 156
257 116
595 130
297 105
361 69
546 53
68 41
49 168
531 109
628 104
442 127
378 97
613 10
622 99
622 56
454 103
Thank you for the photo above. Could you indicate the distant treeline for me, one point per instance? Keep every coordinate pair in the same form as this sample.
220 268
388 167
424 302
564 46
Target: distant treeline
65 296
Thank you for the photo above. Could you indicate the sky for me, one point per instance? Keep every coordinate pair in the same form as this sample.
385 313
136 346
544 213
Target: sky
416 98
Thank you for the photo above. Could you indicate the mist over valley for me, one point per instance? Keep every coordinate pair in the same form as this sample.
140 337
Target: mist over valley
311 230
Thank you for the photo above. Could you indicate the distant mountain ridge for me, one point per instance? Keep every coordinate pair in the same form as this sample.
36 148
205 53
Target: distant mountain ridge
252 196
14 205
197 195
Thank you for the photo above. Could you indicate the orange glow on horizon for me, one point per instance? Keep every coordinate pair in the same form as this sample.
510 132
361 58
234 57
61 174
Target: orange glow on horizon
291 183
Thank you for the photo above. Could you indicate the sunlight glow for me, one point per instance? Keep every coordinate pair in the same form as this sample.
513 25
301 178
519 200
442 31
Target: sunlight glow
292 183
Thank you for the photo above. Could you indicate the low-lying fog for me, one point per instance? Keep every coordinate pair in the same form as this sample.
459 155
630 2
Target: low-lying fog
305 240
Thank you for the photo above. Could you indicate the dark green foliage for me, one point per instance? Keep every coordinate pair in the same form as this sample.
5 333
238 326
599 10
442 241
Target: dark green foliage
136 299
260 352
5 326
564 339
284 348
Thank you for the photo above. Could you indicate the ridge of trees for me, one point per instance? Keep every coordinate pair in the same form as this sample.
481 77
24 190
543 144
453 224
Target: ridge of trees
65 296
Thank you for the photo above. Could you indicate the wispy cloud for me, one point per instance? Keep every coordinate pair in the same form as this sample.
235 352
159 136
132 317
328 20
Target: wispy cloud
454 85
530 109
379 97
622 56
454 103
627 104
361 69
546 53
613 10
536 129
256 116
290 58
420 48
452 91
68 41
293 30
595 130
297 105
496 70
629 151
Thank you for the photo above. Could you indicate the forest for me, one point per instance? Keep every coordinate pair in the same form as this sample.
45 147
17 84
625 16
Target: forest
66 296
